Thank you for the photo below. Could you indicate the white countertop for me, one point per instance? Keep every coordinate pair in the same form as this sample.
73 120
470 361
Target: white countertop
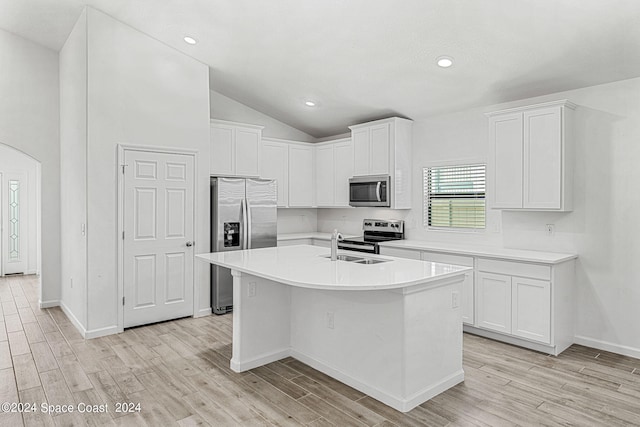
305 266
308 235
482 251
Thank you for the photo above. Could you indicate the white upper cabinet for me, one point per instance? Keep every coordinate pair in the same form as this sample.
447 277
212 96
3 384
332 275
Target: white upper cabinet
334 167
383 147
275 165
533 157
301 184
235 149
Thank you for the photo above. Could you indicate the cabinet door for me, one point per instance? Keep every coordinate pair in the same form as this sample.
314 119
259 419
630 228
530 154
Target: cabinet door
494 302
247 152
531 306
380 139
343 169
543 158
301 185
506 135
275 165
361 151
222 150
325 176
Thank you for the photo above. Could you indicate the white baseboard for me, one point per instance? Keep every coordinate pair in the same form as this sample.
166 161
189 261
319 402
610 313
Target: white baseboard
608 346
74 320
49 304
101 332
245 365
203 312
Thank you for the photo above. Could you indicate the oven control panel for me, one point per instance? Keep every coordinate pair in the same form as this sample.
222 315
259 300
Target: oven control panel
382 225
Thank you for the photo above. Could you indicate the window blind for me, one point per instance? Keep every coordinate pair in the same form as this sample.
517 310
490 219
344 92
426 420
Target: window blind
454 196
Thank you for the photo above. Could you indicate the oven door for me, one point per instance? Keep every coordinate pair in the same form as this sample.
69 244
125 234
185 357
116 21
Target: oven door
367 247
369 191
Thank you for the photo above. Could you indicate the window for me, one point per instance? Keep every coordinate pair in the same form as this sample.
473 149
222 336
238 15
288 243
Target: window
454 196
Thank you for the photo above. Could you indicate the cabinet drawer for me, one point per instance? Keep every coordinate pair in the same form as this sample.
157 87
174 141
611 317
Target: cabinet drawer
466 261
511 268
401 253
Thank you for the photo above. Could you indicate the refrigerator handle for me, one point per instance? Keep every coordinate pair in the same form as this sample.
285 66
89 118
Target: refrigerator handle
248 227
243 208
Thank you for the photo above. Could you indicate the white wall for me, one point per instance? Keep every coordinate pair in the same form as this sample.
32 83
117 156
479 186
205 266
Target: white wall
29 122
14 161
73 171
297 220
224 108
603 227
140 92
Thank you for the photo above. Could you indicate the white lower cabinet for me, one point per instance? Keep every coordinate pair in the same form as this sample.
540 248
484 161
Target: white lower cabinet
531 309
530 304
494 302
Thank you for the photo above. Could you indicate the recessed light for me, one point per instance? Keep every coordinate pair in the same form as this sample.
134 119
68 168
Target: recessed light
190 40
444 61
310 103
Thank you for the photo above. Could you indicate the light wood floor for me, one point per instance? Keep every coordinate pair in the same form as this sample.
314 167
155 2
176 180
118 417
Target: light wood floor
179 372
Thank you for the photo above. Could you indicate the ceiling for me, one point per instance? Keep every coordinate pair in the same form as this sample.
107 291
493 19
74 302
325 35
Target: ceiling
368 59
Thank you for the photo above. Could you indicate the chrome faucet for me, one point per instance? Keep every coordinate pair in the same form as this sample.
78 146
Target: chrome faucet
335 238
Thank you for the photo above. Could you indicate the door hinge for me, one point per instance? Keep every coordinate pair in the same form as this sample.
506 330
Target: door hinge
123 235
123 166
122 300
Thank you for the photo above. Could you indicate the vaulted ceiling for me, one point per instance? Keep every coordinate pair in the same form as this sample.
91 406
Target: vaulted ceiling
367 59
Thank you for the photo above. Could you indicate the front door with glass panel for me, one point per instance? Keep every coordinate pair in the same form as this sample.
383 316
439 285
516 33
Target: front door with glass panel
14 251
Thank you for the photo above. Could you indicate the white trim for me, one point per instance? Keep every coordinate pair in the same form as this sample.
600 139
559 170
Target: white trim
74 320
608 346
238 124
122 148
203 312
396 402
264 359
101 332
49 304
560 102
520 342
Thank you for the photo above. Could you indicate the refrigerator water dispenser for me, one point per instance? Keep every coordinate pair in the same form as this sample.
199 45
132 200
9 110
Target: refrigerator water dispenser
231 234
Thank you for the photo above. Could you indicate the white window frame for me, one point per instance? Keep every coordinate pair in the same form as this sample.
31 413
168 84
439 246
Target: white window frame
453 163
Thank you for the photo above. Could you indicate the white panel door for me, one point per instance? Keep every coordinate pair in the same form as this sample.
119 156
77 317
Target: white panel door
380 143
247 148
542 158
531 305
301 185
506 136
14 223
275 165
325 176
222 151
361 152
158 237
343 166
494 301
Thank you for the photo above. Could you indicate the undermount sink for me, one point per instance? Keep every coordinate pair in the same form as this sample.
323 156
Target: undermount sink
358 260
370 261
347 258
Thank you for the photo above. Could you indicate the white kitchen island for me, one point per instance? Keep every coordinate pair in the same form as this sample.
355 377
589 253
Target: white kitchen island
392 330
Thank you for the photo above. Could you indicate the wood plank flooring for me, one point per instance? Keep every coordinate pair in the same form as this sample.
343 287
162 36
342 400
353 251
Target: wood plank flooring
179 373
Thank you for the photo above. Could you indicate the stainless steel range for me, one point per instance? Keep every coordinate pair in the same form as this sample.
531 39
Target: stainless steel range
375 231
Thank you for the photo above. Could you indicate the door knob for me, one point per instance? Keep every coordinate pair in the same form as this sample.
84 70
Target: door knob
189 244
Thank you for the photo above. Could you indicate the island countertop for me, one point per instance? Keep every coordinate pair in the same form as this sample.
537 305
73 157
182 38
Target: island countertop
307 266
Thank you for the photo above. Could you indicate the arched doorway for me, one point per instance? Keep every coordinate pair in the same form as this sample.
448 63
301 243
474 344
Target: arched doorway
20 196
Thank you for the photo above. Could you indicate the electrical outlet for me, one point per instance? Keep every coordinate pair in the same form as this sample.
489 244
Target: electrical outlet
251 290
551 229
455 299
330 319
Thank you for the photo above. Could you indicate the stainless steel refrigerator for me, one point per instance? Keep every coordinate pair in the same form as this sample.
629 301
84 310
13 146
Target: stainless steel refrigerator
243 216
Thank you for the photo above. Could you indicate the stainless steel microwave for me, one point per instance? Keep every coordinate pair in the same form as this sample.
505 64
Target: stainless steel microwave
371 190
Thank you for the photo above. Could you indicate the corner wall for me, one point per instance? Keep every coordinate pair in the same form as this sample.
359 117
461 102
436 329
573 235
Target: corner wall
140 92
29 121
